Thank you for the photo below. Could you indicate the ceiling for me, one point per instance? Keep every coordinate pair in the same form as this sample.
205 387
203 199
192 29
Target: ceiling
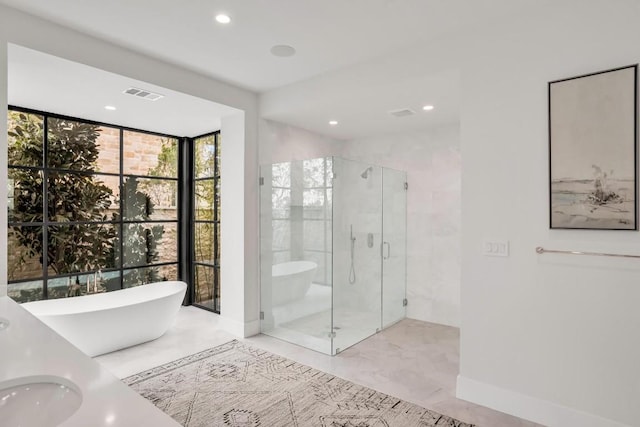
363 108
51 84
333 75
327 34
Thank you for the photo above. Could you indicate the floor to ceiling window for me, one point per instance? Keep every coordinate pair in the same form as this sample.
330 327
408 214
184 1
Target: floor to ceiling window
149 243
91 207
206 221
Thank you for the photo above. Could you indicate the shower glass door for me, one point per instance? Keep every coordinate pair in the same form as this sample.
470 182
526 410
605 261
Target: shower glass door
357 239
332 251
394 246
295 247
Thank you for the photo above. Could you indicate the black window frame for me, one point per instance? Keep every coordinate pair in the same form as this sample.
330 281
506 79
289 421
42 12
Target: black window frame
121 223
193 264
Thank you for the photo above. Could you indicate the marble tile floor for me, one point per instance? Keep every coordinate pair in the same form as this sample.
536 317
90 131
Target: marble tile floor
412 360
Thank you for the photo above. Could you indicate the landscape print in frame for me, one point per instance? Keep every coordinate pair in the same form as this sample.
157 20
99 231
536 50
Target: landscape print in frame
592 151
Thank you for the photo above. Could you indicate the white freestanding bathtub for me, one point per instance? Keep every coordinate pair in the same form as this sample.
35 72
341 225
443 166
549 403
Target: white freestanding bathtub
290 281
102 323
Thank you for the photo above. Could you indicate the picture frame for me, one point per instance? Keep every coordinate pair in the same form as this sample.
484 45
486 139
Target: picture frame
593 132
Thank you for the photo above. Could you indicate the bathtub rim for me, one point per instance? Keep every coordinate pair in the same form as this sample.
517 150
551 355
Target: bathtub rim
73 305
311 266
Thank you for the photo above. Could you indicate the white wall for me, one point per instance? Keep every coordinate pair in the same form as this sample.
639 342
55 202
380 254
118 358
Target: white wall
432 162
550 338
280 142
553 338
233 298
240 270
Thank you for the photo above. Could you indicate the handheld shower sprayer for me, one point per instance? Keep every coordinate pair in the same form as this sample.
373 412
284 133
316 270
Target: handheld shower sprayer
352 271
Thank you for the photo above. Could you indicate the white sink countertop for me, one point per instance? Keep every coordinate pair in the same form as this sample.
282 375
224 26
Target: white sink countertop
29 348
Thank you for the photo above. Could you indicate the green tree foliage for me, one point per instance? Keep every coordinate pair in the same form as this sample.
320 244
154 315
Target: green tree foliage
72 196
204 167
205 157
140 239
167 159
167 166
204 162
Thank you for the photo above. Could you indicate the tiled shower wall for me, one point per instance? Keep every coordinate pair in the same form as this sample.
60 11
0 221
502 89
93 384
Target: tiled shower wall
433 165
432 161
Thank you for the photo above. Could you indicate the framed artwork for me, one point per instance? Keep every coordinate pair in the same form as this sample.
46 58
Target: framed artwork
592 151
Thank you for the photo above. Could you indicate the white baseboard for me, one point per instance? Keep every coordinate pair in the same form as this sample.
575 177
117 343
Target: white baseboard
443 322
251 328
240 329
527 407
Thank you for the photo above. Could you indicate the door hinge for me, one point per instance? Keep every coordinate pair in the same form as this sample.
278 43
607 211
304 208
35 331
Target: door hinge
405 302
262 315
406 185
261 180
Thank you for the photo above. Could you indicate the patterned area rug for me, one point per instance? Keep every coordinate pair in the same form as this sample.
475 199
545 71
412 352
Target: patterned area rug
236 385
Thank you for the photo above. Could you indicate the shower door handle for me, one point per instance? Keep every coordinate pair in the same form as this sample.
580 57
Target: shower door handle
388 250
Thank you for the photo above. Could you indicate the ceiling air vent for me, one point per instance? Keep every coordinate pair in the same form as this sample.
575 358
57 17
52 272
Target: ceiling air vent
145 94
402 112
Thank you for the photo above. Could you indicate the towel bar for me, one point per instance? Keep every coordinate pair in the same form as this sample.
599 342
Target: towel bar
541 250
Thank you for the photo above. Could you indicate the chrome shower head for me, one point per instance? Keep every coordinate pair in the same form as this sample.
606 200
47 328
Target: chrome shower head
365 173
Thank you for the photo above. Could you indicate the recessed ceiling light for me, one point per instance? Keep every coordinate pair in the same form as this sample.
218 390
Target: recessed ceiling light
110 107
283 50
333 122
428 107
223 18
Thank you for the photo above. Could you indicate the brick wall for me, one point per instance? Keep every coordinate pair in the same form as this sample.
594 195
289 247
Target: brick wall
141 155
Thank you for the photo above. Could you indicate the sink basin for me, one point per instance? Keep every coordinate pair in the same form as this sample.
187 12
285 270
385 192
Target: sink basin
38 401
4 323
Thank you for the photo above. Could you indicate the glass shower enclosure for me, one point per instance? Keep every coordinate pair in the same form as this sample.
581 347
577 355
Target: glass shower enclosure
333 251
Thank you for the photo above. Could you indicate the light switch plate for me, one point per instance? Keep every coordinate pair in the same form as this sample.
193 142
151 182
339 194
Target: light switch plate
495 248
